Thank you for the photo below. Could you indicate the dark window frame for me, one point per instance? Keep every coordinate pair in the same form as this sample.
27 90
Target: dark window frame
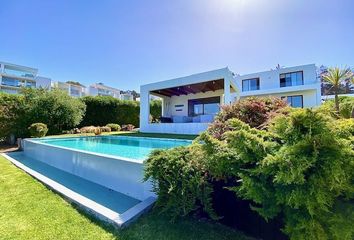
248 79
203 101
302 75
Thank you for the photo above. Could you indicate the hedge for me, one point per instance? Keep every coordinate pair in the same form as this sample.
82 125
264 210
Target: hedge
102 110
54 108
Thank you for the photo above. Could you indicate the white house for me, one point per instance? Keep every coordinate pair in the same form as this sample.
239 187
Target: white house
190 103
13 77
99 89
73 89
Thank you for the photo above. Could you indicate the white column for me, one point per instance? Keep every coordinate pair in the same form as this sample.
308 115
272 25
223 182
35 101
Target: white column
144 109
227 92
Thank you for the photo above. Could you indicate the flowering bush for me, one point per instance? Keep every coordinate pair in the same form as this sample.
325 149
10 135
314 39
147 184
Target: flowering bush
299 169
255 111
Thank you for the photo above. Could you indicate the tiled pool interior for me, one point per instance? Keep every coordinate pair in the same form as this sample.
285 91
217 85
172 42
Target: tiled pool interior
128 147
104 196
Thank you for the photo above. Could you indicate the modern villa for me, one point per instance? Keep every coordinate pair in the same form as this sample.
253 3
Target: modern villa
190 103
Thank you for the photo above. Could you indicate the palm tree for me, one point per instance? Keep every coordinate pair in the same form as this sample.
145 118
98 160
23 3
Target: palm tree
337 76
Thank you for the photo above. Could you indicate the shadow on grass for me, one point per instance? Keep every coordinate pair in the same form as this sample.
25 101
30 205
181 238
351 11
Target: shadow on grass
155 226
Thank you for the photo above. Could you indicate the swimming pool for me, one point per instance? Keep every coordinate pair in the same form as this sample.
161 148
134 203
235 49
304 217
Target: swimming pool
104 174
127 147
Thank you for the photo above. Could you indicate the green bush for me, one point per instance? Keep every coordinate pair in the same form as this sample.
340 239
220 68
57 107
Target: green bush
113 126
346 107
105 129
55 108
155 110
12 115
88 129
38 130
179 181
102 110
299 169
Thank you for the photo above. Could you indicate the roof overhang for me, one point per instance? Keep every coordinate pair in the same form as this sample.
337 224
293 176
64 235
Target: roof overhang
203 87
196 83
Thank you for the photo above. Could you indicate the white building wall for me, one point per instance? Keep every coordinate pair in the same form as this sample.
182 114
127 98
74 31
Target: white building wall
269 82
43 82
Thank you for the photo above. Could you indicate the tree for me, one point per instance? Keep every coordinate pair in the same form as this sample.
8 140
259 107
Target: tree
54 108
337 76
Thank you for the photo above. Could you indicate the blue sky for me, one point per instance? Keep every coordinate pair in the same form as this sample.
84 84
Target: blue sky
128 43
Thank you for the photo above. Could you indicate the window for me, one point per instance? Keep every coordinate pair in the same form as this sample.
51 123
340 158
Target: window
11 82
291 79
203 106
294 101
250 84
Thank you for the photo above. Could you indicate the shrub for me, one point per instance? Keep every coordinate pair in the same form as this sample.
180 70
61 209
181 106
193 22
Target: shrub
155 110
255 111
179 181
12 115
299 169
102 110
88 129
38 130
128 127
346 107
113 126
55 108
97 131
302 169
105 129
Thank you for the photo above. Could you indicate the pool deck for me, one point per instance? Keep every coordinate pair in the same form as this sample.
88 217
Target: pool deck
104 207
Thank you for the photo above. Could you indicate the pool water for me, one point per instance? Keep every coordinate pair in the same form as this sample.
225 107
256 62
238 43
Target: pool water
128 147
109 198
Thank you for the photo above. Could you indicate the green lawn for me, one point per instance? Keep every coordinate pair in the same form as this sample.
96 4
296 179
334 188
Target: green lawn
28 210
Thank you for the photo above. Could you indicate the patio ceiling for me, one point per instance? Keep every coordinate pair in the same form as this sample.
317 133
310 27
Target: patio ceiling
191 88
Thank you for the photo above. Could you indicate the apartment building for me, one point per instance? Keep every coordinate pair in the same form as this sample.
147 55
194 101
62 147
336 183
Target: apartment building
73 89
99 89
13 77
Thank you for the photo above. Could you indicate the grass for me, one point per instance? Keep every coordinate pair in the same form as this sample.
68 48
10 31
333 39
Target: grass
29 210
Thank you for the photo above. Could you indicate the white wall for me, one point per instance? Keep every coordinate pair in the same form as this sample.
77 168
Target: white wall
309 96
43 82
271 79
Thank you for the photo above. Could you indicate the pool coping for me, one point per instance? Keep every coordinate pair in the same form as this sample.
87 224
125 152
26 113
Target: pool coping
37 141
100 211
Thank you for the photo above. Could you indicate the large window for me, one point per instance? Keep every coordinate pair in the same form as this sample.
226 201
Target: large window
203 106
11 82
295 101
250 84
291 79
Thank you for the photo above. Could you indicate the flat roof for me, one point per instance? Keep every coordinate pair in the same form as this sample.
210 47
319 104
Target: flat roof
208 76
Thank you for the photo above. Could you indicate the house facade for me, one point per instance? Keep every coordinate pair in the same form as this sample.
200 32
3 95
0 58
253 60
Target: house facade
73 89
13 77
190 103
99 89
